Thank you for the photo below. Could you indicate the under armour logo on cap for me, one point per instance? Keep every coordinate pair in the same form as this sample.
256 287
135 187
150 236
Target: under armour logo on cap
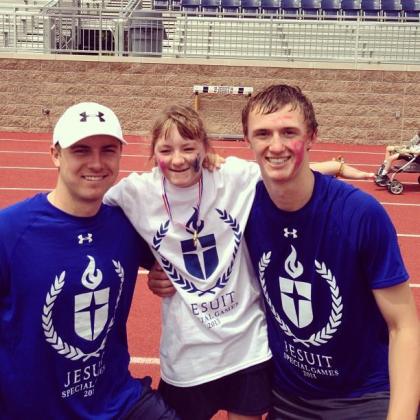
292 233
83 120
85 116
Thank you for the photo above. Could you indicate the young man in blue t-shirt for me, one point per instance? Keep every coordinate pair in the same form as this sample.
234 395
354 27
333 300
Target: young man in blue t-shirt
342 322
68 266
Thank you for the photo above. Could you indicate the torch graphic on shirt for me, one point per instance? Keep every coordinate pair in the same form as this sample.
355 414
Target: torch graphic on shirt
91 308
295 294
200 253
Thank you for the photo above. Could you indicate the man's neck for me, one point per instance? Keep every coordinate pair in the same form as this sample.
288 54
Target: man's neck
292 195
72 207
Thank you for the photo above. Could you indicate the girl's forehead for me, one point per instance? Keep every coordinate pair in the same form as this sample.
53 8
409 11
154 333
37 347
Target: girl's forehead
172 136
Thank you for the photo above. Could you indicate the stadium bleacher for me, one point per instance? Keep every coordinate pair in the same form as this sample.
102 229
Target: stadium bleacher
397 10
371 8
391 9
331 8
311 8
411 9
378 31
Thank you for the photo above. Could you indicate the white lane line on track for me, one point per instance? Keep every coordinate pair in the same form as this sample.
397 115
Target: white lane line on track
146 143
144 361
408 235
25 152
387 203
42 168
23 189
356 152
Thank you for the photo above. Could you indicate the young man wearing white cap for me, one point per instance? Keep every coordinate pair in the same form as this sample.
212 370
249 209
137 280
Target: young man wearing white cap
68 266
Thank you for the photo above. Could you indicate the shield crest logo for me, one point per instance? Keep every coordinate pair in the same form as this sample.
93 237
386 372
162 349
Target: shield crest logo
91 313
200 261
296 301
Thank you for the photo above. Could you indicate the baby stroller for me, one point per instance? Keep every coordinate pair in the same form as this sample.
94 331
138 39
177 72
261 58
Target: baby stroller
409 163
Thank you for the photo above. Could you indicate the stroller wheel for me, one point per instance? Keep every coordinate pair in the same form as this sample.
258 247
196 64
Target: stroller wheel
381 180
395 187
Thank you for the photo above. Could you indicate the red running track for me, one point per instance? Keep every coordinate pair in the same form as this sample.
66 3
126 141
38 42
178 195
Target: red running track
26 168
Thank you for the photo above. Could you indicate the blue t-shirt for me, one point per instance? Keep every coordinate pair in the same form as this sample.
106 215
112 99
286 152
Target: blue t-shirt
317 267
66 285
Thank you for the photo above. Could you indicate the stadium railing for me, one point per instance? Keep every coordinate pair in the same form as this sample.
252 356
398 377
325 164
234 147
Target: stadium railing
99 29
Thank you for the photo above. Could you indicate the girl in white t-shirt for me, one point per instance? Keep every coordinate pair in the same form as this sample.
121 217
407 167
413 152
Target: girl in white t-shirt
214 352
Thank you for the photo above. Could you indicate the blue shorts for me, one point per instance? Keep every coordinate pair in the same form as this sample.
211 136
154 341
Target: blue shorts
151 405
247 392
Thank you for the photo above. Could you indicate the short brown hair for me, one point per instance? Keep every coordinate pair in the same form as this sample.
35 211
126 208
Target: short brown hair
276 97
185 119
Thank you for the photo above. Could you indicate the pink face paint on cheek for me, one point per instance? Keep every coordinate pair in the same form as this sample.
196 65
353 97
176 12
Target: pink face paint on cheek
298 149
161 164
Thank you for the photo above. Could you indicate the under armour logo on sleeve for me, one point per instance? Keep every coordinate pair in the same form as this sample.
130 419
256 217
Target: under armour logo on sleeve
88 238
85 116
292 233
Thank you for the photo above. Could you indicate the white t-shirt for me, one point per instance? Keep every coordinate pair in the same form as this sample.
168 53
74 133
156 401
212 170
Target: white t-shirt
215 324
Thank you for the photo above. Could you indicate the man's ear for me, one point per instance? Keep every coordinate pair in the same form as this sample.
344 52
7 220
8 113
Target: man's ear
313 139
55 154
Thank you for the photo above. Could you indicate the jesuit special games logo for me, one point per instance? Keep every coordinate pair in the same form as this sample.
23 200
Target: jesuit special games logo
296 295
91 311
199 253
296 299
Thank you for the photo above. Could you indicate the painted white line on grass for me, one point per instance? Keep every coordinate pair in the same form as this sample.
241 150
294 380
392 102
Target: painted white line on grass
144 361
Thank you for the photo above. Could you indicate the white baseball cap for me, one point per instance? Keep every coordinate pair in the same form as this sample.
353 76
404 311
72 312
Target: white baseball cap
84 120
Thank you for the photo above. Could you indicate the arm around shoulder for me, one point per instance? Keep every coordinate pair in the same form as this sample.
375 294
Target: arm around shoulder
397 306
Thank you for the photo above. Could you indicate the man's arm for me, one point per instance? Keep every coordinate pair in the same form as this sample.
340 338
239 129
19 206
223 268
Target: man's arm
397 306
159 283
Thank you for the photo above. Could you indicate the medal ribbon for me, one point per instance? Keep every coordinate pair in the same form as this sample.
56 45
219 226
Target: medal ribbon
169 212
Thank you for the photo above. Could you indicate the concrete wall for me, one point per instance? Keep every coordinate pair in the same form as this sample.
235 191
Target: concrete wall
358 104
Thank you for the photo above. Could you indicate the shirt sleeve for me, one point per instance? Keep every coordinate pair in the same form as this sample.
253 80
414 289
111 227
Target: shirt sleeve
380 252
114 196
127 194
245 171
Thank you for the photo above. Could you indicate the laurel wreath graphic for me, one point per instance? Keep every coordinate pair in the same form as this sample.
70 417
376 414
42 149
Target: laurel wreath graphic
185 284
334 320
63 348
161 233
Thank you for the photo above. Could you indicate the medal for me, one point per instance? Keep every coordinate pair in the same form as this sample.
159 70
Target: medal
195 239
169 212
